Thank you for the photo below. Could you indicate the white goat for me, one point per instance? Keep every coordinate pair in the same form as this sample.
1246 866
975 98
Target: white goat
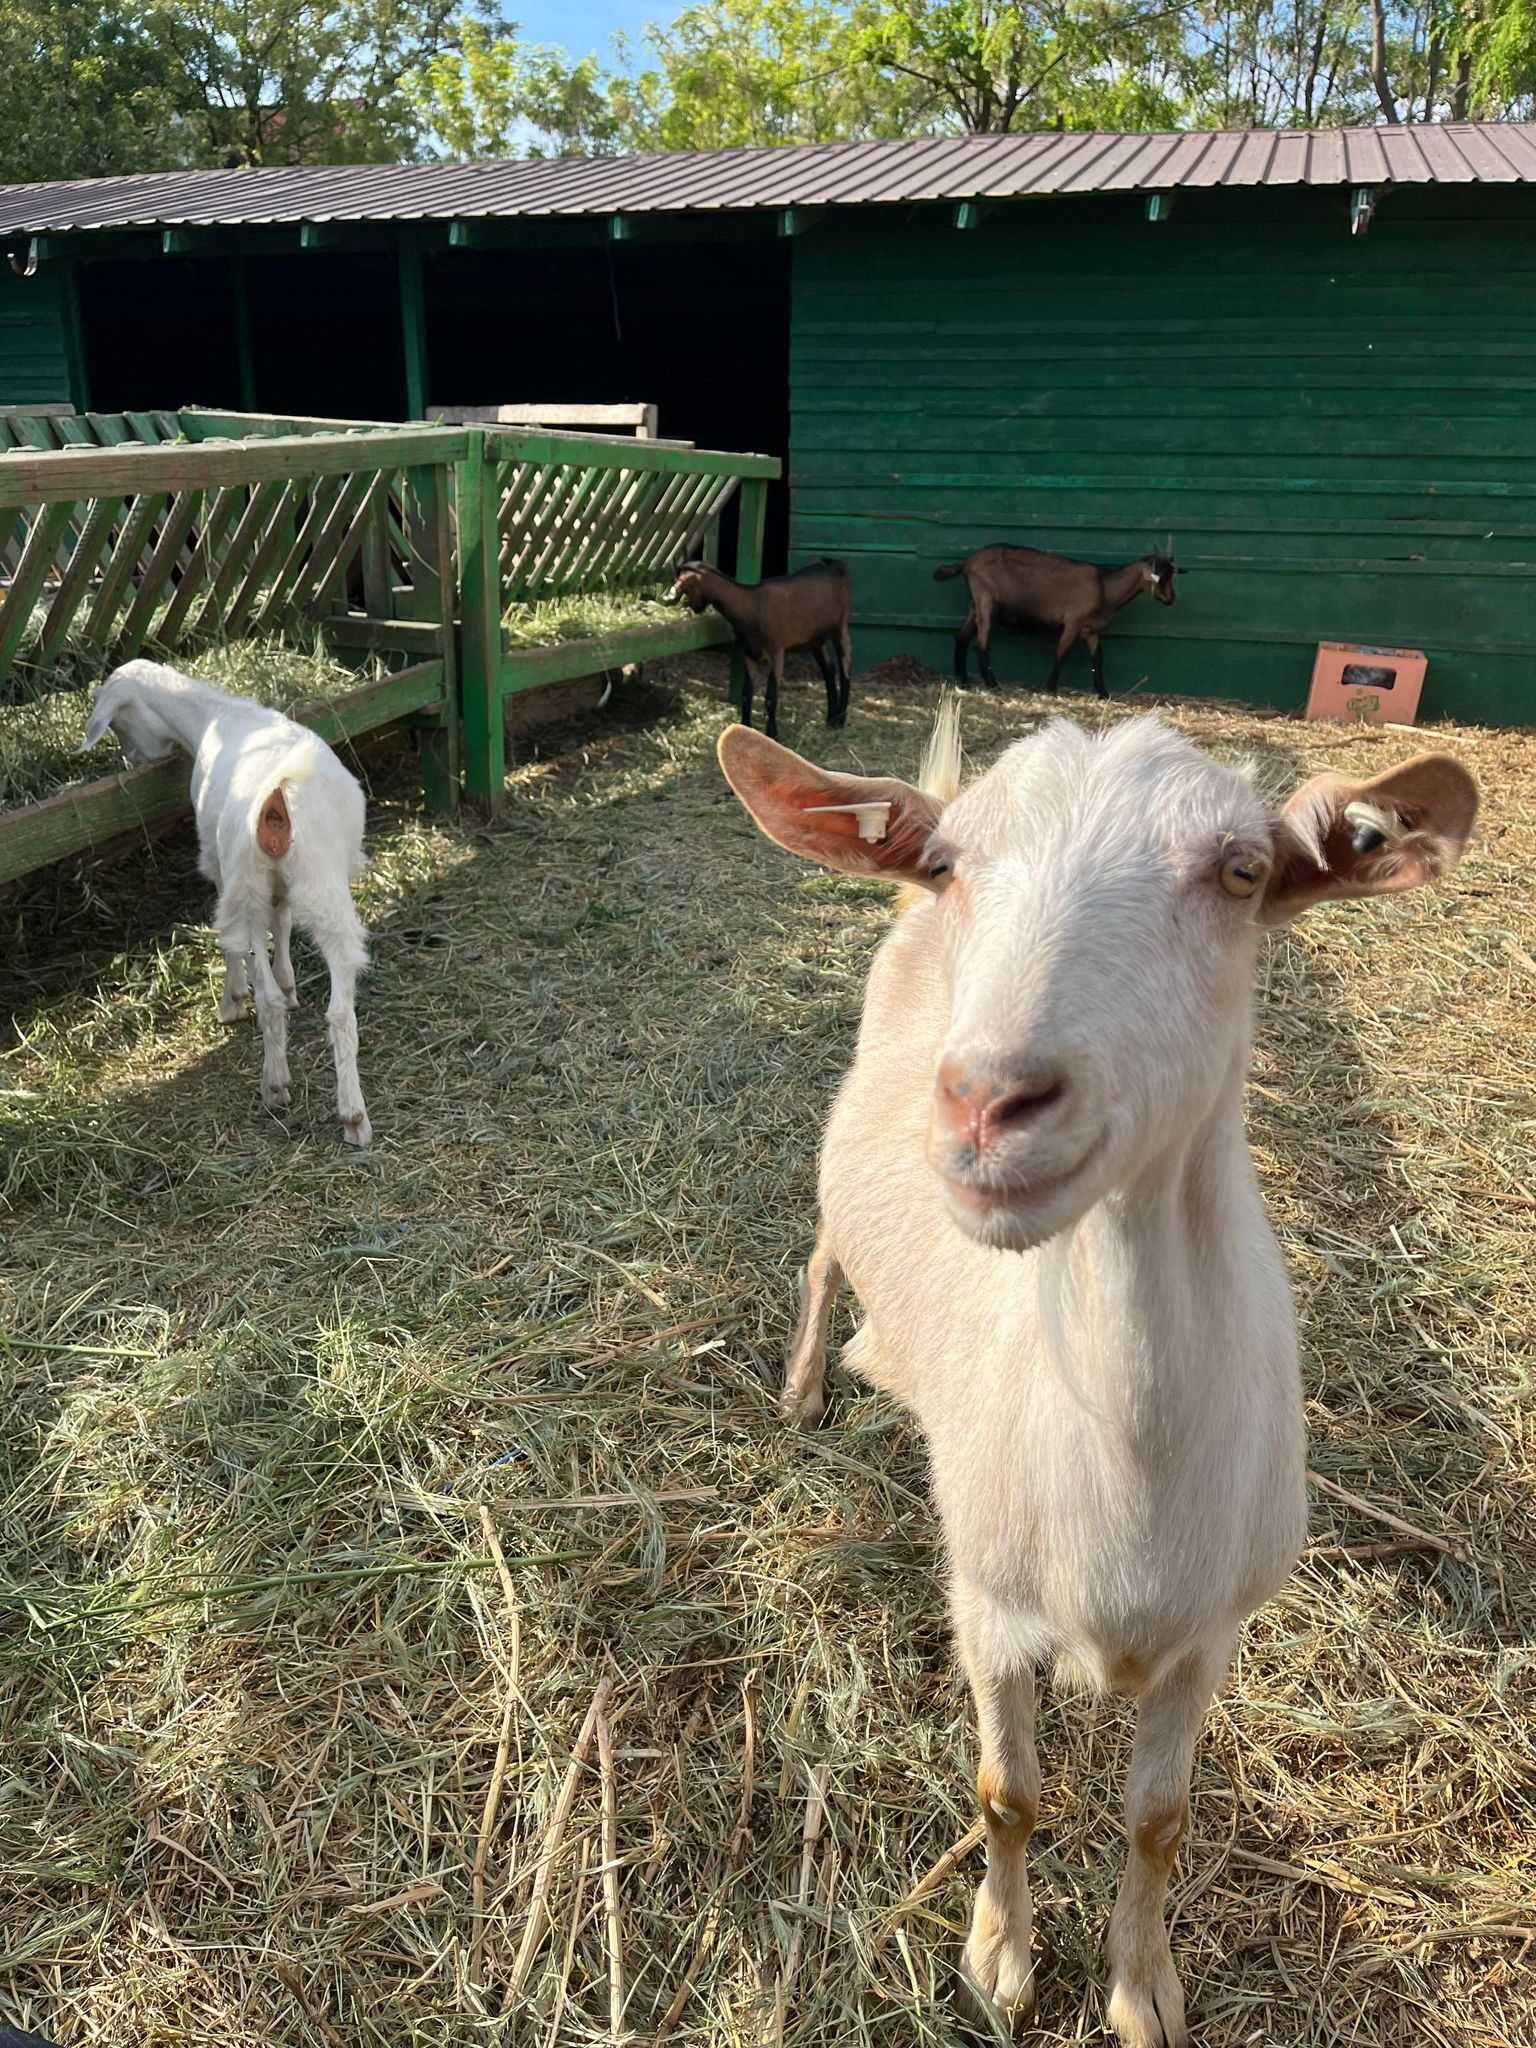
1035 1178
280 836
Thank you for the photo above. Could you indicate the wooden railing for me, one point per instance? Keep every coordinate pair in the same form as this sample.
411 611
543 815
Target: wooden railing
544 515
132 541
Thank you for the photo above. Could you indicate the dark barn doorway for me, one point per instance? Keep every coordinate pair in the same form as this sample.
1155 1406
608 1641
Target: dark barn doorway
159 333
699 329
325 334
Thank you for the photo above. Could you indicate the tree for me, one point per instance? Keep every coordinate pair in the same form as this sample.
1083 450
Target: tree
90 91
305 81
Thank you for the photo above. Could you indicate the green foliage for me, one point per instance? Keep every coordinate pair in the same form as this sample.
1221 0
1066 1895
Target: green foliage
90 89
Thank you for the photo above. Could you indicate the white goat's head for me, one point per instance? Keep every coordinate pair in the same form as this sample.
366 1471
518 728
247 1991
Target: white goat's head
140 731
1097 905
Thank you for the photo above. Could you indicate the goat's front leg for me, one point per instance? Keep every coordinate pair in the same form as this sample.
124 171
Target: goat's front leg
999 1959
282 959
805 1370
1096 656
1063 649
1146 2003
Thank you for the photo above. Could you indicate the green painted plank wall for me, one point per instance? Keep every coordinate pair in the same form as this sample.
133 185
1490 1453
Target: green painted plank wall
1339 432
34 359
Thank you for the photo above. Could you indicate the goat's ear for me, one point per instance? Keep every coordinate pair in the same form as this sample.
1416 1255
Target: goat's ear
1336 838
858 824
100 719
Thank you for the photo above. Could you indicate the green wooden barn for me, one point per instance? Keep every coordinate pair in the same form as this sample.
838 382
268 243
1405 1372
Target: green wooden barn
1306 358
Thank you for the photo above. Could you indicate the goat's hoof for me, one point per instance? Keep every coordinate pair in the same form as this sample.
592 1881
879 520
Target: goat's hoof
356 1129
1010 1994
289 994
803 1407
275 1094
1146 2005
233 1008
841 719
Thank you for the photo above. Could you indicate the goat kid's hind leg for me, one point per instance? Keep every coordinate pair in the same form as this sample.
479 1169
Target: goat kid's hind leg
805 1370
236 999
999 1953
1096 656
342 954
775 676
1146 2001
844 674
272 1014
282 933
828 666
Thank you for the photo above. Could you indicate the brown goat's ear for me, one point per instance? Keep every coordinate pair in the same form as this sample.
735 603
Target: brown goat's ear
858 824
1336 838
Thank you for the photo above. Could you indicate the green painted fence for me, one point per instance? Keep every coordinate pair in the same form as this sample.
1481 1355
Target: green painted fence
127 533
541 515
1338 431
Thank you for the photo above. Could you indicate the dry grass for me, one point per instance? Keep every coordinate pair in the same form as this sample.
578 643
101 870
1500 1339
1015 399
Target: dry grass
42 726
342 1497
584 615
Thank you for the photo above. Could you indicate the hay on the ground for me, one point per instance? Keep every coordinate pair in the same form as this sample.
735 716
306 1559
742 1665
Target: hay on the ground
286 1739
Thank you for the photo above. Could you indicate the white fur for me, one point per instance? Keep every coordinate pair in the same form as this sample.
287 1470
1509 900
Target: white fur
1106 1376
241 752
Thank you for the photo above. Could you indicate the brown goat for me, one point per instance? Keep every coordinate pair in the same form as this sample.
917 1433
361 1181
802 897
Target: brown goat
1026 587
807 611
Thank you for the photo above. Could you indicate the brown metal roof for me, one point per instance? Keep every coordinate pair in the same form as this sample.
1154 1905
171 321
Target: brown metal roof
830 174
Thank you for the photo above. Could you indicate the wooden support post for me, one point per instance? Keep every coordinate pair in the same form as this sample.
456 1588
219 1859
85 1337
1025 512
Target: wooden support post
968 214
74 336
244 354
485 744
1362 208
413 324
749 563
1159 207
431 541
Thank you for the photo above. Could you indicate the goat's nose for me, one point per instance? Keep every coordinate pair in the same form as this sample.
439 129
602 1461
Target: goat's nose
983 1106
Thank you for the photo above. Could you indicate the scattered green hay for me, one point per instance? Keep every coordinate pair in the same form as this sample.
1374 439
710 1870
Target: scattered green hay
258 1664
39 739
584 616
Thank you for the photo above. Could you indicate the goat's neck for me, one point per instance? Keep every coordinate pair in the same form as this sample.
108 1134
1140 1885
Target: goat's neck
1134 1302
184 711
1121 585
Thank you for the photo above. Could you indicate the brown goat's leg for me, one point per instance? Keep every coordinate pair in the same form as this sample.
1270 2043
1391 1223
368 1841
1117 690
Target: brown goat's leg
845 671
963 639
827 663
1096 656
805 1370
775 672
748 678
981 608
1063 649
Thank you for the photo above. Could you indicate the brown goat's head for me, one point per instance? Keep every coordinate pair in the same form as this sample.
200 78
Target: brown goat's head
689 587
1161 570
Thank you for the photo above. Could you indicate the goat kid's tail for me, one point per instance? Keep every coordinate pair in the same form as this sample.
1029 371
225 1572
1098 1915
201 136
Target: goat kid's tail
941 771
272 812
948 571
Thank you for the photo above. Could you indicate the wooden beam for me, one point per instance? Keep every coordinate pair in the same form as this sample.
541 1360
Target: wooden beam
1159 207
413 322
530 668
76 364
184 241
797 220
620 228
244 352
134 469
968 213
1362 208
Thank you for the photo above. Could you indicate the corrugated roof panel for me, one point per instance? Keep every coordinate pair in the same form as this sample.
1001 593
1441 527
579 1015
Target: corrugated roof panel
825 174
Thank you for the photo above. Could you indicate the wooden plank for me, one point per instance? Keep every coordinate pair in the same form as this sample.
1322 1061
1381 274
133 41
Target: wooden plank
245 353
212 423
643 455
413 323
124 559
643 418
276 535
323 506
603 505
326 588
256 519
155 576
528 669
749 567
217 521
27 479
37 558
541 532
561 540
428 507
93 537
385 636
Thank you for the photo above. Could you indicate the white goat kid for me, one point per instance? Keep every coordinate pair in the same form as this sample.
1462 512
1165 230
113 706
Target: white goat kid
1035 1178
280 836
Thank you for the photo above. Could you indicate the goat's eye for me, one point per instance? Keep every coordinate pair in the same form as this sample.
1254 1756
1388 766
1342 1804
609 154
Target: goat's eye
1242 874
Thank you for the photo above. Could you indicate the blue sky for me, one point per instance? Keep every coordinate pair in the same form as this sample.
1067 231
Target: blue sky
583 25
